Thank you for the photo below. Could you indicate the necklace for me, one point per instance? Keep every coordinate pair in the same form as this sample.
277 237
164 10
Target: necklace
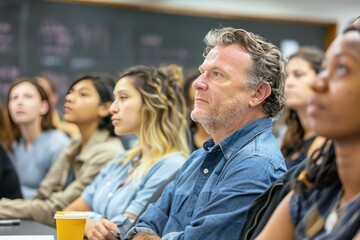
337 212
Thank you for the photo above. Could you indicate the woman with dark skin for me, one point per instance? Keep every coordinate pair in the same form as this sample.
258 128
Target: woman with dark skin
325 203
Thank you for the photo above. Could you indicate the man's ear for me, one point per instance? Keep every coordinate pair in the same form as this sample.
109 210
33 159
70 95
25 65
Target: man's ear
44 108
104 109
261 93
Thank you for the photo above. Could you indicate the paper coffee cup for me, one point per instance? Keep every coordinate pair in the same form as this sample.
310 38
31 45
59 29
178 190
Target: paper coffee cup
70 225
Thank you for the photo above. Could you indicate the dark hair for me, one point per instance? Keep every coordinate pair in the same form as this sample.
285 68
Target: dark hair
104 86
320 170
190 77
46 121
294 136
351 28
312 55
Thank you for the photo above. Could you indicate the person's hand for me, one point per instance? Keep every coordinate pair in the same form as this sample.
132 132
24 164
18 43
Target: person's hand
100 230
145 236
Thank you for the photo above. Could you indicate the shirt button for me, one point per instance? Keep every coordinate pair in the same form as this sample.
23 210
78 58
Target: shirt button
110 195
206 171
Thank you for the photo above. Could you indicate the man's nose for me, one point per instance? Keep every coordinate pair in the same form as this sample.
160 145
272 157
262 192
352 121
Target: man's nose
200 83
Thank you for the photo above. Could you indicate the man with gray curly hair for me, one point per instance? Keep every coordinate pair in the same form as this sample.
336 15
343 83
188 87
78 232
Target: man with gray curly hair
241 87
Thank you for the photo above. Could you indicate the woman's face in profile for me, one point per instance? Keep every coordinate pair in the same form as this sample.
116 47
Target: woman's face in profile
126 108
25 104
299 76
82 103
334 106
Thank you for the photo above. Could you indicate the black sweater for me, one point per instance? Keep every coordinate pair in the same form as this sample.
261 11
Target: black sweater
9 181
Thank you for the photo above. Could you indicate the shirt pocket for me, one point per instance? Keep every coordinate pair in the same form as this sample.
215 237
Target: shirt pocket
179 201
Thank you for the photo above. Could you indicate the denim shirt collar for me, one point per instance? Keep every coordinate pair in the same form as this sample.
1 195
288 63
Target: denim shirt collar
239 138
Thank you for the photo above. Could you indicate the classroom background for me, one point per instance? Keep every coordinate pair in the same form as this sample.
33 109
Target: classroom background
61 39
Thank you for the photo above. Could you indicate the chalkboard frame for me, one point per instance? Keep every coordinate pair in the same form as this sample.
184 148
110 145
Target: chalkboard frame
331 26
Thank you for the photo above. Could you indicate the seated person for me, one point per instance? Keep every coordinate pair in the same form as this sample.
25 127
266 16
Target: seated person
9 181
57 118
198 132
300 140
118 194
240 88
325 202
86 105
37 144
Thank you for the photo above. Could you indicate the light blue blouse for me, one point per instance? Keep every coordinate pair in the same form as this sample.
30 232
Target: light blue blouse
33 164
110 201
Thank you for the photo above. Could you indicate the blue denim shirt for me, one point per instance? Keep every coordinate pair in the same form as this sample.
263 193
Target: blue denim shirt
214 188
108 200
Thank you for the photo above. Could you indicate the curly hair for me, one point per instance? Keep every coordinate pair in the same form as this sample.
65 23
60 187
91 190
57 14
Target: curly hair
175 72
164 126
268 62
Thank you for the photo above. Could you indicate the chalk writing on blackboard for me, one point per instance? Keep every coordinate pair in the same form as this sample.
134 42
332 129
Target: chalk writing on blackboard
93 37
152 50
6 37
55 38
9 71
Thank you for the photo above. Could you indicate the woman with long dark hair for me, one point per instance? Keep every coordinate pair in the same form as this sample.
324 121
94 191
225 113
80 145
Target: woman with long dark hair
299 140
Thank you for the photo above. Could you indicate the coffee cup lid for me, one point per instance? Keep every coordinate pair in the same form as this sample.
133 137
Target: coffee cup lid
70 215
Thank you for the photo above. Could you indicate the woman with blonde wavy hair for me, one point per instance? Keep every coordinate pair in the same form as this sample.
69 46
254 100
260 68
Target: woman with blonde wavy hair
149 104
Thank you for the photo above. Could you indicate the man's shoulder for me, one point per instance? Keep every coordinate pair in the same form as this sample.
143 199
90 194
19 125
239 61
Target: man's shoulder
251 137
261 152
262 143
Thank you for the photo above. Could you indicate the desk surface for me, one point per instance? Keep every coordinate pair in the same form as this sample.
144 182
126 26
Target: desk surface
28 227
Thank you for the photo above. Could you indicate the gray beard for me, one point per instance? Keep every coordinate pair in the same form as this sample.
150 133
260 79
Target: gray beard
224 116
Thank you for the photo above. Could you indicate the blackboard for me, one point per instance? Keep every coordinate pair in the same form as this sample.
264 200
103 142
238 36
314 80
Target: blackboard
64 39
